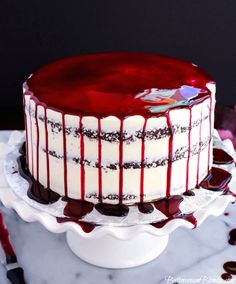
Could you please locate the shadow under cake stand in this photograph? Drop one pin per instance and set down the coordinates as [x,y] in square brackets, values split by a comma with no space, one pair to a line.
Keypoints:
[111,244]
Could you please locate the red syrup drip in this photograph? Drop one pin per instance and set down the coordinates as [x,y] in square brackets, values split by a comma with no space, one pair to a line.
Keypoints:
[189,217]
[26,132]
[77,208]
[189,193]
[217,180]
[169,206]
[199,150]
[46,148]
[86,227]
[226,276]
[82,172]
[108,83]
[121,162]
[37,140]
[170,150]
[118,210]
[232,237]
[145,208]
[142,162]
[36,191]
[64,154]
[99,161]
[5,242]
[31,139]
[230,267]
[220,157]
[189,147]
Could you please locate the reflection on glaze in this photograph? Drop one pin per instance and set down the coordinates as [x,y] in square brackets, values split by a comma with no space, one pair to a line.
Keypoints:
[118,83]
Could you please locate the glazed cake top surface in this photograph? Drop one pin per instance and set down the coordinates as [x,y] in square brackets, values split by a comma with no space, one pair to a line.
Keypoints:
[118,83]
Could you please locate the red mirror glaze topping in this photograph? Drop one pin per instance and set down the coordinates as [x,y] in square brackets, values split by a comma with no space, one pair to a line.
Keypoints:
[118,83]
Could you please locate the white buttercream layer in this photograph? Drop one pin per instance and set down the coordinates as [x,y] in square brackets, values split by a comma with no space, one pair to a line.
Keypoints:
[154,177]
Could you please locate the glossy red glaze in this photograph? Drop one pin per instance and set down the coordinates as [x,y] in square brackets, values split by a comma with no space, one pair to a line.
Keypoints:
[220,157]
[4,239]
[107,83]
[232,237]
[86,227]
[190,218]
[230,267]
[77,208]
[217,179]
[169,206]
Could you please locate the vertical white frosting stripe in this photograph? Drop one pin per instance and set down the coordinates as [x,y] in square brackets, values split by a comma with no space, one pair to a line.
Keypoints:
[131,179]
[110,152]
[73,151]
[90,146]
[55,145]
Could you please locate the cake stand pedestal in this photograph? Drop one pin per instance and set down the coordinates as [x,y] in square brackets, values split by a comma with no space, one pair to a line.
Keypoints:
[109,252]
[106,246]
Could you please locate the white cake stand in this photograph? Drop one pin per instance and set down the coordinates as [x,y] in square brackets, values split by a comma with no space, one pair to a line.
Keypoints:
[109,246]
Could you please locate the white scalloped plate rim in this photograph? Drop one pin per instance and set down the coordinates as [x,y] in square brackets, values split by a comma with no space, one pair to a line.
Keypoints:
[31,214]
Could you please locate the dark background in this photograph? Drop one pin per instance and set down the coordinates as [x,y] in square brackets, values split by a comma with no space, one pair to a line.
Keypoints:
[33,33]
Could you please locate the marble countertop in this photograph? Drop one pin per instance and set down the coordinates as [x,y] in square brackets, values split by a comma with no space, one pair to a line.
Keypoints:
[192,256]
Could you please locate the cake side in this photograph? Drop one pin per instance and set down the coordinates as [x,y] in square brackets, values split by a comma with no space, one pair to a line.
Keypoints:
[121,127]
[86,157]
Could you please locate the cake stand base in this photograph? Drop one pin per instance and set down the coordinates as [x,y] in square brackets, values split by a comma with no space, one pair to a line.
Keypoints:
[110,252]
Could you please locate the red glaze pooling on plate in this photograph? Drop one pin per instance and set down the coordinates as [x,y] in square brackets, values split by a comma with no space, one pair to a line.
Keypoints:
[118,210]
[77,208]
[232,237]
[230,267]
[220,157]
[145,208]
[86,227]
[189,193]
[217,179]
[226,276]
[169,206]
[190,218]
